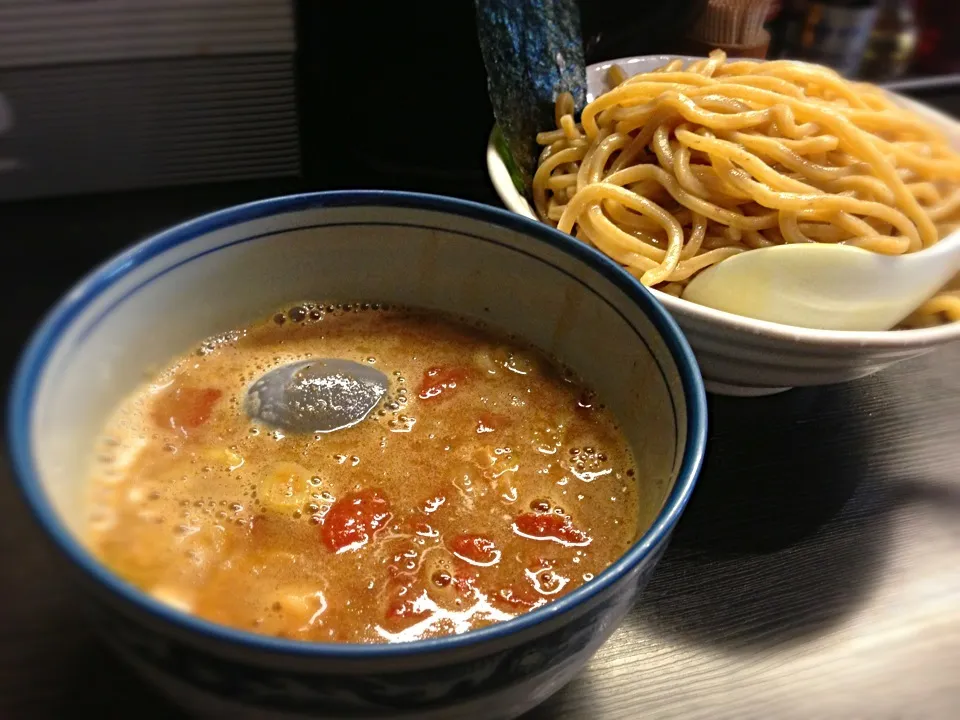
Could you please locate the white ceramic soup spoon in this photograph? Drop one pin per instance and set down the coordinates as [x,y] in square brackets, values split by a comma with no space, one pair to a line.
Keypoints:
[826,287]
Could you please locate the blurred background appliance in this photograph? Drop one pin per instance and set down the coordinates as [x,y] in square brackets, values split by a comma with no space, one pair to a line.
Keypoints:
[99,95]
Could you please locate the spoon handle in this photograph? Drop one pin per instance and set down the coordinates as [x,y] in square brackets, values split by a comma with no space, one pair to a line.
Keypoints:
[948,248]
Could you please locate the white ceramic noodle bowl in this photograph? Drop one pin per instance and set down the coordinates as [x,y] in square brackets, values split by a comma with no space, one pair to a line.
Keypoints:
[741,355]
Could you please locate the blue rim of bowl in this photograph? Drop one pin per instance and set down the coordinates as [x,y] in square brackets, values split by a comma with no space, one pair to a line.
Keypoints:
[34,358]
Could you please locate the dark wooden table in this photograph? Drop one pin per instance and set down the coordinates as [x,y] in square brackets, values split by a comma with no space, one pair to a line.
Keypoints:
[814,575]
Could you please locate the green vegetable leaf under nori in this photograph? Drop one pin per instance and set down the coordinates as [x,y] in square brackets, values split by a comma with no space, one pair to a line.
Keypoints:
[533,51]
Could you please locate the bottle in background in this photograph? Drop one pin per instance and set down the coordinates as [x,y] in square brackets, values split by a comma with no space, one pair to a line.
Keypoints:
[938,51]
[831,32]
[619,28]
[738,27]
[774,26]
[892,42]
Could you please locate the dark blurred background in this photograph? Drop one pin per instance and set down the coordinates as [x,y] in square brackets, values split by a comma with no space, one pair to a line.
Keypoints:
[105,95]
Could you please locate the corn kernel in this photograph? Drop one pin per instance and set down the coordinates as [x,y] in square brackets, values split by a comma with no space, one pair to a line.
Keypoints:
[286,487]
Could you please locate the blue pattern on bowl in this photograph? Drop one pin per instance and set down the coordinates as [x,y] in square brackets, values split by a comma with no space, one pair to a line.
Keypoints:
[370,695]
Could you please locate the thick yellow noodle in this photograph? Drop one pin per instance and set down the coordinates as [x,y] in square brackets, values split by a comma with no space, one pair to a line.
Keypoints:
[677,169]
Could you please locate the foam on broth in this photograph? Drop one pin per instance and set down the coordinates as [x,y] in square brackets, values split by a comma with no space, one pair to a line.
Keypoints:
[487,483]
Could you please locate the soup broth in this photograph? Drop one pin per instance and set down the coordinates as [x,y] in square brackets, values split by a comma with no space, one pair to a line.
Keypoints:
[488,482]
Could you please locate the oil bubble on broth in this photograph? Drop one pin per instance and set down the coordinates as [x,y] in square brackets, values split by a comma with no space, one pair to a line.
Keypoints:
[486,482]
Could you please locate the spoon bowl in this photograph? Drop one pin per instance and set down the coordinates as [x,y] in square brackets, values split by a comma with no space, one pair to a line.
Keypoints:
[317,395]
[826,287]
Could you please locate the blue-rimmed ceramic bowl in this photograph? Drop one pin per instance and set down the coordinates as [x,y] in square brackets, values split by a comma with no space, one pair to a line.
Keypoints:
[153,302]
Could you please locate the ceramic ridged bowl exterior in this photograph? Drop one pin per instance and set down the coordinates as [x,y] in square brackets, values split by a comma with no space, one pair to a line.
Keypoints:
[162,297]
[742,356]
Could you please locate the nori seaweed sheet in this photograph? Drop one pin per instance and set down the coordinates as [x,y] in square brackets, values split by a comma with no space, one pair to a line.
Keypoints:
[533,51]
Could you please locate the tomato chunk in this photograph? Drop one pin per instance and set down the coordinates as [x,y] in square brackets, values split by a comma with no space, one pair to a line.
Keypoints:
[490,422]
[475,549]
[407,609]
[518,596]
[439,381]
[465,583]
[550,526]
[185,408]
[354,519]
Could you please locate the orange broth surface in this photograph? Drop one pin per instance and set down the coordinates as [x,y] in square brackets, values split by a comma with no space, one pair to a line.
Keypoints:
[488,482]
